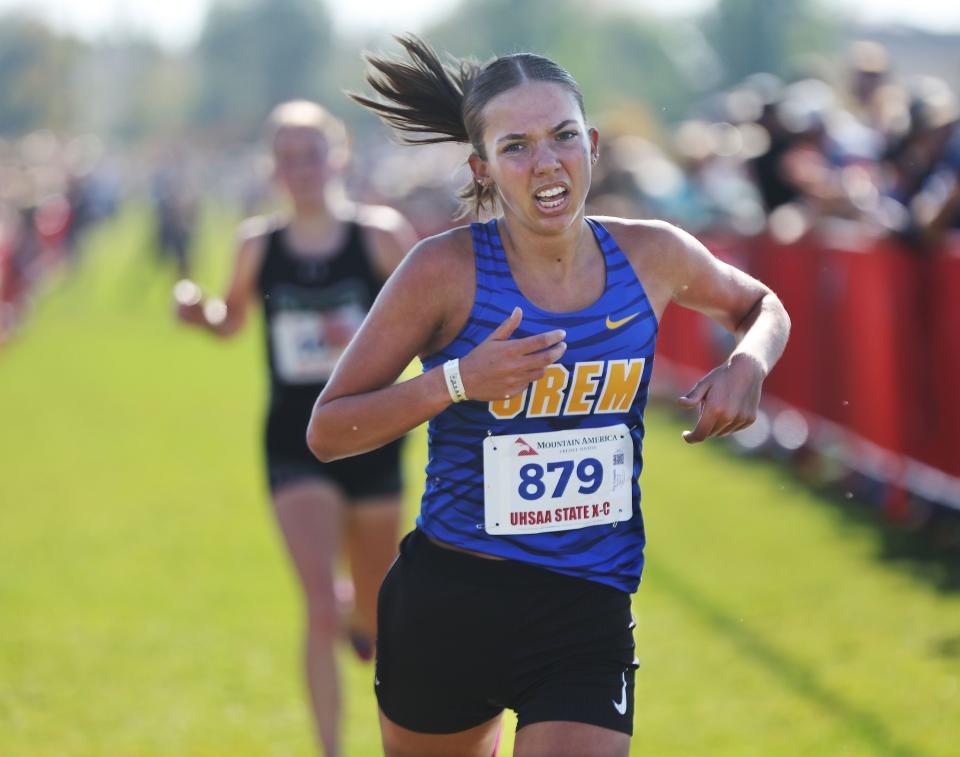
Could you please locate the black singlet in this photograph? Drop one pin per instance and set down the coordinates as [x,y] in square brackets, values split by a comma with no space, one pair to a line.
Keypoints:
[312,306]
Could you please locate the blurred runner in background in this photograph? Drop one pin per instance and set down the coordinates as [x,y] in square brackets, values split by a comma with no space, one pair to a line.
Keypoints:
[317,271]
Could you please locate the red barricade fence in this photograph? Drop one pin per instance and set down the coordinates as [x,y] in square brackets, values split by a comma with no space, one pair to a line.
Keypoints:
[944,379]
[875,345]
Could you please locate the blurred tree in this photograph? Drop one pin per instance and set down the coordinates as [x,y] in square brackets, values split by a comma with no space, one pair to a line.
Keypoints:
[499,27]
[35,81]
[750,36]
[627,59]
[253,54]
[132,89]
[641,60]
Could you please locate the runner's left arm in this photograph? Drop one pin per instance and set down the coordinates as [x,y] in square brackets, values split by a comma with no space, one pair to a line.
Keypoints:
[728,396]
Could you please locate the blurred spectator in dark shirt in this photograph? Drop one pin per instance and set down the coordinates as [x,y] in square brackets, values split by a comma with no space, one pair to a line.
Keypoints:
[923,164]
[175,204]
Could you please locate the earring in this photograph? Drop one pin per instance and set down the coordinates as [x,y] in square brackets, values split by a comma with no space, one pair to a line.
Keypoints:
[595,157]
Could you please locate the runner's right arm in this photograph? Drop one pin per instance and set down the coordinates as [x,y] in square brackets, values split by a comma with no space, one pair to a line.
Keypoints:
[420,309]
[226,317]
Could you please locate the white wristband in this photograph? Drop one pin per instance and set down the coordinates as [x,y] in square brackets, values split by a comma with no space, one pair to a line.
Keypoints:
[451,372]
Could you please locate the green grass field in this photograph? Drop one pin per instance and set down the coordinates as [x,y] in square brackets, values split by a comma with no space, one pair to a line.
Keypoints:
[146,606]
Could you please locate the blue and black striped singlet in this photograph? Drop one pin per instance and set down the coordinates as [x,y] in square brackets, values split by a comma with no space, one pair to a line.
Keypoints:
[609,360]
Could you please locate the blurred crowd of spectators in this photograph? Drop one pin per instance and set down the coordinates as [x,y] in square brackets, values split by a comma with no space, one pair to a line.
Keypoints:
[765,155]
[51,190]
[782,156]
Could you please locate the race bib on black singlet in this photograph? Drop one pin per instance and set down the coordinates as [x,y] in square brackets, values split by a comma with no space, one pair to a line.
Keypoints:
[557,481]
[309,330]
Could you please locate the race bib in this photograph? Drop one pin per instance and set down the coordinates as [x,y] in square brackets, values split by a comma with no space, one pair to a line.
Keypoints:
[556,481]
[302,353]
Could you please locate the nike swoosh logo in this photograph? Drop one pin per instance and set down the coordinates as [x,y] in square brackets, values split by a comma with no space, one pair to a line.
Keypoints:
[618,324]
[621,706]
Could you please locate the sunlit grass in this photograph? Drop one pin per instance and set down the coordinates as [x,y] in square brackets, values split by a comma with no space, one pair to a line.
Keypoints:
[146,606]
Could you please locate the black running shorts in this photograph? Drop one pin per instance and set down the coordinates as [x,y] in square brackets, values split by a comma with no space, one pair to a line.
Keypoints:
[289,460]
[462,637]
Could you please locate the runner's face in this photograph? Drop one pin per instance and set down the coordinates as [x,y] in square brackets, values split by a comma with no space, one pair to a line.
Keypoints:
[538,154]
[302,161]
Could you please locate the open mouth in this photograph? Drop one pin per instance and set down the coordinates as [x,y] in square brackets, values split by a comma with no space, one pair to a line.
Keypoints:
[551,197]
